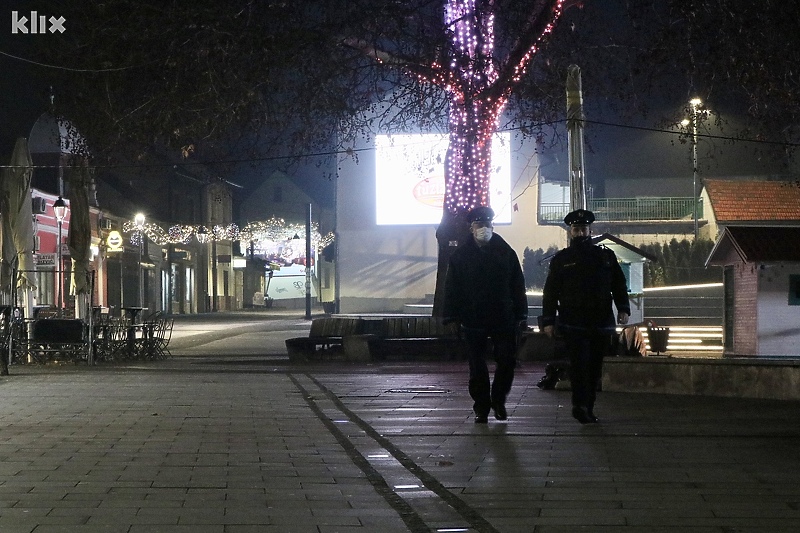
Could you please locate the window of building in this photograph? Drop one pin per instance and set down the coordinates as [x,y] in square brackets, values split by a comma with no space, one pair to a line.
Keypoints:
[794,289]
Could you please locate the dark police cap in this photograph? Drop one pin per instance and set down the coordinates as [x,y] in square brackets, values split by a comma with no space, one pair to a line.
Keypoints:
[482,213]
[581,217]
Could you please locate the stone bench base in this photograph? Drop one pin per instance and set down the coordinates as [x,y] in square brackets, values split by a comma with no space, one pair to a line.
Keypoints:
[305,348]
[539,347]
[736,377]
[364,348]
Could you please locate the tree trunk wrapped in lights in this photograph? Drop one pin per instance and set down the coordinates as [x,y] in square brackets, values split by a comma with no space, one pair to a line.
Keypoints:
[478,85]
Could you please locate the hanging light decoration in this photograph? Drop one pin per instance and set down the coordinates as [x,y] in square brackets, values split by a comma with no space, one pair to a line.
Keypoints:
[274,230]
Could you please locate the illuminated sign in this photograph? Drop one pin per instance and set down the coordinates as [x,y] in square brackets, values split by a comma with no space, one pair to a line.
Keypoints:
[409,174]
[114,241]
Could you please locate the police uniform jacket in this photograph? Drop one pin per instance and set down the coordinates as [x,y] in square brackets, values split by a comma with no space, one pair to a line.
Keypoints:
[583,281]
[484,286]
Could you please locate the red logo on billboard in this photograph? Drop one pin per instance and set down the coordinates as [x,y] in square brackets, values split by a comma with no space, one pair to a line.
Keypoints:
[430,191]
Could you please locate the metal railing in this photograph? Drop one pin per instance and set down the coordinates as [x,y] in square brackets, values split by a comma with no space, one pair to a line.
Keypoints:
[628,209]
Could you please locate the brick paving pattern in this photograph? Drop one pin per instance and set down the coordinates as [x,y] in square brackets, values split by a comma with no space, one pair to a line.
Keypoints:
[248,443]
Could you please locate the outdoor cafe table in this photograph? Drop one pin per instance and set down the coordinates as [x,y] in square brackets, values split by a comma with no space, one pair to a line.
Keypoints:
[133,313]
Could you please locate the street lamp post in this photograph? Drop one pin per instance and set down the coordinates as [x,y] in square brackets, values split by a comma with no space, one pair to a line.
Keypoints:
[308,262]
[60,211]
[213,270]
[202,237]
[139,220]
[695,103]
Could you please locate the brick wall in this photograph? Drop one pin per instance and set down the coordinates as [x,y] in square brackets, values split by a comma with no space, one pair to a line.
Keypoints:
[745,286]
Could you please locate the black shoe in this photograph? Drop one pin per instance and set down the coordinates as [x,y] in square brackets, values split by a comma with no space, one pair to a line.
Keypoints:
[581,415]
[592,419]
[500,412]
[481,419]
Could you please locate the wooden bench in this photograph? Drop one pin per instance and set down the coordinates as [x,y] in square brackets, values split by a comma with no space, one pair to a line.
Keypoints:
[407,337]
[325,337]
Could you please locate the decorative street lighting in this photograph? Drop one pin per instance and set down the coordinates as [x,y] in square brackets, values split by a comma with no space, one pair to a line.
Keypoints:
[202,235]
[139,221]
[60,211]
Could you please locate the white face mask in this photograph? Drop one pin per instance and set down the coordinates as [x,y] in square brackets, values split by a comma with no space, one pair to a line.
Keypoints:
[483,235]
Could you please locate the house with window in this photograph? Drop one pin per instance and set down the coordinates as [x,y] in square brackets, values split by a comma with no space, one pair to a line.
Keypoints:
[759,249]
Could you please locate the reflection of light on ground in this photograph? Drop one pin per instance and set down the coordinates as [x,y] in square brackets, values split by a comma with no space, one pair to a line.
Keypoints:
[416,391]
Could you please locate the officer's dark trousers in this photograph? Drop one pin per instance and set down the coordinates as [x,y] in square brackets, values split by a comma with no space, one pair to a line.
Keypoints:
[505,346]
[586,353]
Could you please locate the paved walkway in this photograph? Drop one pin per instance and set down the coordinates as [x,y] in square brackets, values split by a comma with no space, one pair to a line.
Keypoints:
[228,437]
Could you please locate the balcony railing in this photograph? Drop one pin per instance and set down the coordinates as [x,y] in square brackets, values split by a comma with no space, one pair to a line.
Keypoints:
[628,210]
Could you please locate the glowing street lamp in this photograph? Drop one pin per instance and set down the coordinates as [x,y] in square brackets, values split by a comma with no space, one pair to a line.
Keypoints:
[139,221]
[201,234]
[60,211]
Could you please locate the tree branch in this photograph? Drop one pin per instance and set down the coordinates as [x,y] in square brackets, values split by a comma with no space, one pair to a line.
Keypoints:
[431,73]
[538,25]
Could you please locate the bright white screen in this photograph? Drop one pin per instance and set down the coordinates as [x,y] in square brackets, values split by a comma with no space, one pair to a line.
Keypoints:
[409,174]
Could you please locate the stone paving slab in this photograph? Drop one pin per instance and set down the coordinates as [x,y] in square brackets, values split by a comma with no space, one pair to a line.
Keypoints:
[245,444]
[228,437]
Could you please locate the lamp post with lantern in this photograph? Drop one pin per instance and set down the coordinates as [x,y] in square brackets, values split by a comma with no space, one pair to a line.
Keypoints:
[202,237]
[60,212]
[139,221]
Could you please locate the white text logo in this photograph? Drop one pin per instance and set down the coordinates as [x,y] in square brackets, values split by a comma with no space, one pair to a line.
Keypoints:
[38,23]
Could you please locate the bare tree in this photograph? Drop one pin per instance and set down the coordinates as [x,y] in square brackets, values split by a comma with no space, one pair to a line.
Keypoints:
[222,74]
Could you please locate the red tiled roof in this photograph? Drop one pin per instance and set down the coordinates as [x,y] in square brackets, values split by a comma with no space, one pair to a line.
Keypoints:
[751,201]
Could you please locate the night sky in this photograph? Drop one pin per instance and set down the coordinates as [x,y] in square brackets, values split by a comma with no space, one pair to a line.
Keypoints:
[612,152]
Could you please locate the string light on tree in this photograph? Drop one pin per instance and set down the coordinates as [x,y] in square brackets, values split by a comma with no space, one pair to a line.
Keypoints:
[478,85]
[478,93]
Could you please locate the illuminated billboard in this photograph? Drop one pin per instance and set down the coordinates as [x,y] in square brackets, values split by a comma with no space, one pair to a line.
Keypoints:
[409,174]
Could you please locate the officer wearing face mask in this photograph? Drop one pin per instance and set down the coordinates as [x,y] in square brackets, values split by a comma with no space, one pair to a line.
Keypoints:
[485,293]
[583,281]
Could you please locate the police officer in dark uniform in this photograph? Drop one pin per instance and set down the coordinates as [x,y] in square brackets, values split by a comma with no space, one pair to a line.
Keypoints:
[485,293]
[583,281]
